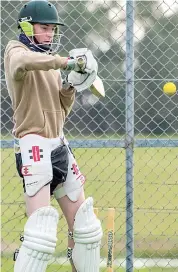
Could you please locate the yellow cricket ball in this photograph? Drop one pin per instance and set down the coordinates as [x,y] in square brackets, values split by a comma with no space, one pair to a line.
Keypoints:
[169,88]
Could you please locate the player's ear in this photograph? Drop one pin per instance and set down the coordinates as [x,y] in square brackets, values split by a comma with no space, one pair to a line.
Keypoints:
[27,28]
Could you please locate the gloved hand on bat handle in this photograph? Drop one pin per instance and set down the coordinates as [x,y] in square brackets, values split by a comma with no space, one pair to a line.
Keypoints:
[82,60]
[84,68]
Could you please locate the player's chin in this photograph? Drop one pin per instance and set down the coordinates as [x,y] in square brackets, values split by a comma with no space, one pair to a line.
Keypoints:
[47,42]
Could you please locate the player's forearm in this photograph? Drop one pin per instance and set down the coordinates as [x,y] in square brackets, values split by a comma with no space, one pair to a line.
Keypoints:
[24,61]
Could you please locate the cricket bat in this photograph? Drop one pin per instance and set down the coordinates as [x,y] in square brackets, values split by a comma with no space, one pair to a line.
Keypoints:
[110,239]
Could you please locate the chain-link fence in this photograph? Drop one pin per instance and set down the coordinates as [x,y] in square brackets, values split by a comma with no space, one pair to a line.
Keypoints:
[101,132]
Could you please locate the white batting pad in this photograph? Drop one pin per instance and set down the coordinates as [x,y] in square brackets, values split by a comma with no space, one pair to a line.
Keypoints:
[39,241]
[87,236]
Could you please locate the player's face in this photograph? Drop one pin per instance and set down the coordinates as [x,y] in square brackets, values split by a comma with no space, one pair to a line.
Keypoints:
[44,33]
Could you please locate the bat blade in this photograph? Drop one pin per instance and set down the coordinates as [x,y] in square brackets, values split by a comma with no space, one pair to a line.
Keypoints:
[97,88]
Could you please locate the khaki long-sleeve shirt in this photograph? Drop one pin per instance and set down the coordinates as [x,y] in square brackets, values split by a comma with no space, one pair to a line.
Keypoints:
[39,102]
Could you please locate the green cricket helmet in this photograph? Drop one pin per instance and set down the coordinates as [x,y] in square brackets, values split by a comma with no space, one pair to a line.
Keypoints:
[42,12]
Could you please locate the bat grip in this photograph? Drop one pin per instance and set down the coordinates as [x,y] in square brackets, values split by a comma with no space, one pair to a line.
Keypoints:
[81,62]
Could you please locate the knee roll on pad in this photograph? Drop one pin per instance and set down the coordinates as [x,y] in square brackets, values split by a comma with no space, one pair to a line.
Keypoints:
[87,237]
[40,237]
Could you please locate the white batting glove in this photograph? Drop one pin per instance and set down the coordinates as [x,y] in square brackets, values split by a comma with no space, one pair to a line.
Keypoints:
[89,63]
[80,81]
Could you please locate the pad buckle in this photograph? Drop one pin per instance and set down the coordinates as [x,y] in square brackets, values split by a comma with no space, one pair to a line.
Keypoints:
[69,253]
[70,235]
[15,254]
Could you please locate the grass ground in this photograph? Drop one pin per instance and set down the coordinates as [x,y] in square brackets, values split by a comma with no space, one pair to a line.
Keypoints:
[155,200]
[7,266]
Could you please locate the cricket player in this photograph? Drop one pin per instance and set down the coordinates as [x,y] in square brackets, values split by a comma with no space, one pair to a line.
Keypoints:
[41,100]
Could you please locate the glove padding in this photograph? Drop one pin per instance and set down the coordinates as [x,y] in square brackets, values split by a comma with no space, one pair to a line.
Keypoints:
[90,62]
[80,81]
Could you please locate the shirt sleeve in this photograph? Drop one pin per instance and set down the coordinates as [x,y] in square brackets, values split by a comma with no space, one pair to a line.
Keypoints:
[67,97]
[22,61]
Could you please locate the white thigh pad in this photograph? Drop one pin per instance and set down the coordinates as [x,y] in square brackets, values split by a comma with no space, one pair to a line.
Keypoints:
[87,237]
[36,161]
[75,180]
[40,237]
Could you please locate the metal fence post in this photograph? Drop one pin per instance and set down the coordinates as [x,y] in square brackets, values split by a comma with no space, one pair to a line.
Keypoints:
[129,144]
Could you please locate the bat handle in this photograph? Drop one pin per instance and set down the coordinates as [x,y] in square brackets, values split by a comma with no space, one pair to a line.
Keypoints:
[81,61]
